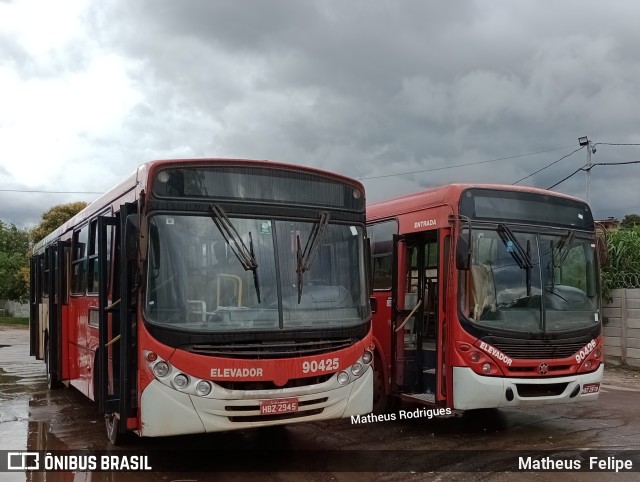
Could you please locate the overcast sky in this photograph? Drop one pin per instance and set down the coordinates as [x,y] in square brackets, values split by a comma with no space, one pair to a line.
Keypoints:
[367,88]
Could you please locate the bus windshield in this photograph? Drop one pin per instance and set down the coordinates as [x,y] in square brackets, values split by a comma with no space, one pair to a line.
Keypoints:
[201,278]
[530,282]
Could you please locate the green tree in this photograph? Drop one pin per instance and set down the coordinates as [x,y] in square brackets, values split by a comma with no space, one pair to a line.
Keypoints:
[14,262]
[630,220]
[55,217]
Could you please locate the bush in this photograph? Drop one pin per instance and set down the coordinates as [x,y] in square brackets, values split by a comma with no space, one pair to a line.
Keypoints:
[623,267]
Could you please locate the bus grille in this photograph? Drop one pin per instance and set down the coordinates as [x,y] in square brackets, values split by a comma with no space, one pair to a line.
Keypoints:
[248,413]
[269,385]
[540,390]
[531,349]
[269,349]
[277,416]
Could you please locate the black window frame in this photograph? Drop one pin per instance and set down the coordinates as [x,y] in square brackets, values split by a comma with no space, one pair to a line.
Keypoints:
[79,259]
[381,252]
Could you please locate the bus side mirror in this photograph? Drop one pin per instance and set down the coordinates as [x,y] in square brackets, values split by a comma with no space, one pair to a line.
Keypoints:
[463,253]
[131,230]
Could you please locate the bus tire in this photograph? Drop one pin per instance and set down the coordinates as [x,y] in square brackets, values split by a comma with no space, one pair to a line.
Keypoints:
[111,421]
[382,402]
[53,383]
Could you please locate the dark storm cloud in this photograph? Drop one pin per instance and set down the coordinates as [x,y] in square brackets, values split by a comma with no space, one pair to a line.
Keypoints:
[374,88]
[25,209]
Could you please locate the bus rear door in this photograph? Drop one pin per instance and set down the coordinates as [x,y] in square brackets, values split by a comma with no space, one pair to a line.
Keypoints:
[117,350]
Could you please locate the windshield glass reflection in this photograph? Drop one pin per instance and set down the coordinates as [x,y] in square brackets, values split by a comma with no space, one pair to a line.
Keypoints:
[528,282]
[196,280]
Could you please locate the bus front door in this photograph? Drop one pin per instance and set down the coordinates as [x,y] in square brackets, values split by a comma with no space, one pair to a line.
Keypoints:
[415,316]
[117,351]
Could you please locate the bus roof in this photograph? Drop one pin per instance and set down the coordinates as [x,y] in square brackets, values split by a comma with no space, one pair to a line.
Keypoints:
[129,189]
[442,195]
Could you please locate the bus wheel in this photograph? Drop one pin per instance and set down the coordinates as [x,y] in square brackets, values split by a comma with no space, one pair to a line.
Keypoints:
[111,421]
[52,381]
[382,403]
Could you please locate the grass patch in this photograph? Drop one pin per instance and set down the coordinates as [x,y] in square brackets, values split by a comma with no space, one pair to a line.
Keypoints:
[14,320]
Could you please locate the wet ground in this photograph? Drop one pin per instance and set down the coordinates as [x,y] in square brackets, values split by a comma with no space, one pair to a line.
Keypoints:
[484,445]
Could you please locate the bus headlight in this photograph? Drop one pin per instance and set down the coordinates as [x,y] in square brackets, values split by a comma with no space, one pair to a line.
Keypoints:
[357,369]
[475,356]
[486,368]
[367,357]
[181,381]
[161,369]
[343,378]
[203,388]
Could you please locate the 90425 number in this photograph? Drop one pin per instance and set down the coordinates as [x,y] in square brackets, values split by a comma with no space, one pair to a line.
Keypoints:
[325,365]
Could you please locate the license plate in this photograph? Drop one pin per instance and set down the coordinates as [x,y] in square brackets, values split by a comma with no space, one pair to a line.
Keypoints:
[280,405]
[590,388]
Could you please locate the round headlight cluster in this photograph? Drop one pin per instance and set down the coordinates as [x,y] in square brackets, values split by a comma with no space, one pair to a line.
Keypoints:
[203,388]
[367,357]
[181,381]
[343,378]
[171,377]
[161,369]
[357,369]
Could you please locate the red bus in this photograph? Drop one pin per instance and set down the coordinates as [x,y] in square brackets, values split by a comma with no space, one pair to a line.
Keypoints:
[485,296]
[210,295]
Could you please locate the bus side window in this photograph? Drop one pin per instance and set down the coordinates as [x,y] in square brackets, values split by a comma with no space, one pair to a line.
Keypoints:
[93,283]
[381,236]
[79,260]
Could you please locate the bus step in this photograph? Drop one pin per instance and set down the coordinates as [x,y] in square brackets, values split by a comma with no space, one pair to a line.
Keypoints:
[420,397]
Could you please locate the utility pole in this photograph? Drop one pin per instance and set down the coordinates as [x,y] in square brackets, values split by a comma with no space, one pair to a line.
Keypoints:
[588,171]
[584,141]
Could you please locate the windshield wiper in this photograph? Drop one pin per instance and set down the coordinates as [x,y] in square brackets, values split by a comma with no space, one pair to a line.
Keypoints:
[514,248]
[245,255]
[305,258]
[519,255]
[256,283]
[563,247]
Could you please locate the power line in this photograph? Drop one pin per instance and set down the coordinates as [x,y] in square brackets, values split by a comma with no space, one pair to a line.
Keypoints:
[548,165]
[585,168]
[463,165]
[49,192]
[612,164]
[570,175]
[614,144]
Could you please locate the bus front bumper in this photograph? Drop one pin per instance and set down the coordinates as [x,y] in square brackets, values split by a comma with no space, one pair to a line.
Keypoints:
[472,391]
[165,411]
